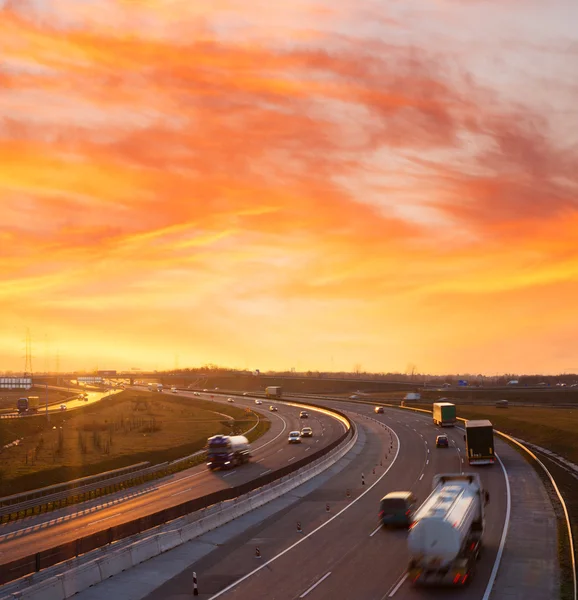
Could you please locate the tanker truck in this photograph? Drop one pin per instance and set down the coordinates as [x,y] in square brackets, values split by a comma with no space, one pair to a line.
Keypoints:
[227,451]
[445,537]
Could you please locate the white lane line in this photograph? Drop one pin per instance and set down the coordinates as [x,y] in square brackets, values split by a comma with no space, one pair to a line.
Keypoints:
[315,585]
[504,535]
[260,460]
[105,519]
[292,458]
[280,450]
[462,460]
[421,477]
[399,584]
[427,462]
[308,448]
[324,524]
[376,530]
[267,471]
[181,492]
[229,473]
[279,434]
[428,450]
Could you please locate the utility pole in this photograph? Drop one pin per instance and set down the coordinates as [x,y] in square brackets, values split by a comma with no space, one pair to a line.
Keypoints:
[28,359]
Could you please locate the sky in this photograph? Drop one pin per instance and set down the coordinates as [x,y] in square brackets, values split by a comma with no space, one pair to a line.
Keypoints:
[315,185]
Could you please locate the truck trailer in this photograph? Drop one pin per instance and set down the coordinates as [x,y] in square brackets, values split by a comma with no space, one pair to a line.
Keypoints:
[444,414]
[227,451]
[480,442]
[273,391]
[28,405]
[445,538]
[155,387]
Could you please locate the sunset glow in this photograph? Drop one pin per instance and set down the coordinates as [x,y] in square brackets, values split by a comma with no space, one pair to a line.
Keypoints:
[314,185]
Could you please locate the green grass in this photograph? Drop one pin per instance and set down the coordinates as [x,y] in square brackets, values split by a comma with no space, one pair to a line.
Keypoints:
[552,428]
[128,428]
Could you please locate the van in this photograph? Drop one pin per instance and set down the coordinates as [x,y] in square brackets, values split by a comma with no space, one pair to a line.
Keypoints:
[397,509]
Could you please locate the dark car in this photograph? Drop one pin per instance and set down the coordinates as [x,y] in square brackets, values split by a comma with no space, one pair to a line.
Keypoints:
[442,441]
[397,509]
[303,414]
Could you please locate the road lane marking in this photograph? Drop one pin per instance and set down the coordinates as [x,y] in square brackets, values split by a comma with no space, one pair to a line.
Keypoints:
[504,535]
[324,524]
[181,492]
[376,530]
[260,460]
[230,473]
[427,462]
[315,585]
[421,477]
[267,471]
[105,519]
[399,584]
[292,458]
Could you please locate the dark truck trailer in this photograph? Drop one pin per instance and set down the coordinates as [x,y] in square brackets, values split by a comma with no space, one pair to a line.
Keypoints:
[227,451]
[480,442]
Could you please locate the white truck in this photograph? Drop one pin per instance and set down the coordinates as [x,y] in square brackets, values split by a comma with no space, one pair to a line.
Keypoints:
[155,387]
[227,451]
[273,391]
[445,537]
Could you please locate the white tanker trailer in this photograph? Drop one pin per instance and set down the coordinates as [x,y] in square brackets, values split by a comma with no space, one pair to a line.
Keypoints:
[445,538]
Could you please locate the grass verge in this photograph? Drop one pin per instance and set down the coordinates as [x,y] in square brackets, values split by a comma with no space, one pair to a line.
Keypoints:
[128,428]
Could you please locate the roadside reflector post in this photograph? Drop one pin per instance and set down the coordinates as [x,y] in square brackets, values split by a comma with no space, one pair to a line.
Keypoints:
[299,530]
[327,507]
[257,552]
[195,586]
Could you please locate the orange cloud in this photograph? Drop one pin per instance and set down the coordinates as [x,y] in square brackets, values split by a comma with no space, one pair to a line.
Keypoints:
[236,199]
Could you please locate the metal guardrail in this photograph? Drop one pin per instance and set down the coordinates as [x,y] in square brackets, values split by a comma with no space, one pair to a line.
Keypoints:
[68,485]
[58,495]
[62,498]
[51,556]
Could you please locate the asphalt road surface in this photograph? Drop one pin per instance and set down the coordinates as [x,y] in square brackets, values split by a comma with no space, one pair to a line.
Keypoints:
[269,452]
[343,552]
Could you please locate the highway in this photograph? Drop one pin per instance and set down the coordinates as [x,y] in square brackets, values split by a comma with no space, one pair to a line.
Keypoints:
[344,552]
[269,452]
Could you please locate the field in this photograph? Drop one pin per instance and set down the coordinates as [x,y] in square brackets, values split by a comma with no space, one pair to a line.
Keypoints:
[552,428]
[128,428]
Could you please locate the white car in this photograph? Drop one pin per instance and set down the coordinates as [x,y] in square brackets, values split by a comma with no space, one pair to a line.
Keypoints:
[307,432]
[294,437]
[258,402]
[174,389]
[230,400]
[245,393]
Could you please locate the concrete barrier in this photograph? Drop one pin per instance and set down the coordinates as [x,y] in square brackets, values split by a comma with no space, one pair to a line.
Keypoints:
[144,549]
[170,540]
[50,589]
[80,578]
[114,563]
